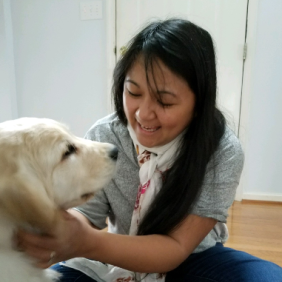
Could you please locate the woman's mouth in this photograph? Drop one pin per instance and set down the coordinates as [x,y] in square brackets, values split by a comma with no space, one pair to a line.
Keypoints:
[149,129]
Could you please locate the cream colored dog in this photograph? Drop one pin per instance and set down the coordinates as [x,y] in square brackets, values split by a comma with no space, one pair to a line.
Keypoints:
[43,168]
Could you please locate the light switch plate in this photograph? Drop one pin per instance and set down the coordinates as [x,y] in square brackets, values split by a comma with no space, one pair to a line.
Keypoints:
[91,10]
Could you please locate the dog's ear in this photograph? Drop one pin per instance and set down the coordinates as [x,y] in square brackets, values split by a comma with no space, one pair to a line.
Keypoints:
[27,202]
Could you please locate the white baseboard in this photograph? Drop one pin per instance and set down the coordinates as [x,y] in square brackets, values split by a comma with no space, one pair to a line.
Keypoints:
[262,197]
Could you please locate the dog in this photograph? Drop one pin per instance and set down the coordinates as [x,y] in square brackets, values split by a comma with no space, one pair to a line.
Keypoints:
[43,168]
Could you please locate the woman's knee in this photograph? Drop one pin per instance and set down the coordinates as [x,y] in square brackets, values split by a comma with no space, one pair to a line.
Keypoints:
[220,264]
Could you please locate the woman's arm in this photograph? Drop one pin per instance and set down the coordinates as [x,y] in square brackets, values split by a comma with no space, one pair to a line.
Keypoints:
[75,237]
[151,253]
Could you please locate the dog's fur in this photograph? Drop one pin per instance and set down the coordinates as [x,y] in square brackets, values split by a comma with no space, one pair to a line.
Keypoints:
[43,168]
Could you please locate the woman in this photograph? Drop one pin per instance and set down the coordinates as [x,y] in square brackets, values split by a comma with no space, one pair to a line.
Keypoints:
[178,169]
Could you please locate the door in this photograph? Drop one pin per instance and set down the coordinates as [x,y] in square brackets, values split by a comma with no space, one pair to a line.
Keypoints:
[225,21]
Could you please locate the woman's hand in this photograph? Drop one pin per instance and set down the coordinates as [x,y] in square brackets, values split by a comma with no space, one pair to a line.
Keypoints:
[68,239]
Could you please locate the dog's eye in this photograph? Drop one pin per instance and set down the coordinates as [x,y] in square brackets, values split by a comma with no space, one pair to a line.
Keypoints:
[71,150]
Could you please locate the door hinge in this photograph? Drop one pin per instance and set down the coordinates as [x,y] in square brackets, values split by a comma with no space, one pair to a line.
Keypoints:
[245,52]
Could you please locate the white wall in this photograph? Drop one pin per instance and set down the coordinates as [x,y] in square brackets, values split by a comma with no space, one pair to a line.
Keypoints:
[60,62]
[8,104]
[262,105]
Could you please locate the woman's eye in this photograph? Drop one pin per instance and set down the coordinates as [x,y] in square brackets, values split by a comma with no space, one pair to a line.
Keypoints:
[164,105]
[70,150]
[132,94]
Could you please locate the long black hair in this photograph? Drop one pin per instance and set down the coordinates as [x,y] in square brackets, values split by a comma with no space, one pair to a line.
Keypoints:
[188,51]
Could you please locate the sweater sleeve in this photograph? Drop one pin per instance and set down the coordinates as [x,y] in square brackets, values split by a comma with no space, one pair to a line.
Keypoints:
[221,179]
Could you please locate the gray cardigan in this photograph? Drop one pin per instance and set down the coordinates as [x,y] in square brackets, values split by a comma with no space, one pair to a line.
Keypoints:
[116,200]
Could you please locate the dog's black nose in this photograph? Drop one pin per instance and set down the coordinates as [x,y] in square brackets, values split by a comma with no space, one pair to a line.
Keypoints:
[114,153]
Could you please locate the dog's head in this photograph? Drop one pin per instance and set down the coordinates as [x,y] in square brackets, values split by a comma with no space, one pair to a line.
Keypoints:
[43,168]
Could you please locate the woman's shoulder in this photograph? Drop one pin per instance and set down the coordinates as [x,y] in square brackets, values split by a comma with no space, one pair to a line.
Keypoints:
[105,128]
[228,160]
[229,145]
[111,130]
[111,118]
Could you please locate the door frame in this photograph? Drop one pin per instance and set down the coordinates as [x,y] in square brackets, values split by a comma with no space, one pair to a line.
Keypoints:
[247,86]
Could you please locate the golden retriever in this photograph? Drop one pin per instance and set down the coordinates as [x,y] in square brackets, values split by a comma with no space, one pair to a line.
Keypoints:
[43,168]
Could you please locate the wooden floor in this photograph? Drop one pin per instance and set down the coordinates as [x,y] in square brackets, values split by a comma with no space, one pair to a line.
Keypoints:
[256,227]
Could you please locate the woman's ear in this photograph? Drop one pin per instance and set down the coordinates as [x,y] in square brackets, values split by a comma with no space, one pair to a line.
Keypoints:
[27,202]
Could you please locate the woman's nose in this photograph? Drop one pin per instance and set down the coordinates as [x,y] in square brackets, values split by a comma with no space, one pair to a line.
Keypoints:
[146,109]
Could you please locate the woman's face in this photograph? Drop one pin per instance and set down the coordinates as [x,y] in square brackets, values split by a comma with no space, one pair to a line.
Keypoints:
[156,121]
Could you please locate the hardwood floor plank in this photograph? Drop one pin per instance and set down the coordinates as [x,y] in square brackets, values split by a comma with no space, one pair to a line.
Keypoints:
[256,228]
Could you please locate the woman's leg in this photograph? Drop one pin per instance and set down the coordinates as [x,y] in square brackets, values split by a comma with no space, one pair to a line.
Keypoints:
[221,264]
[71,275]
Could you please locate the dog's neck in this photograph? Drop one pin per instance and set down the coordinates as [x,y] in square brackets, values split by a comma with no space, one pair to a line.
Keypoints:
[8,230]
